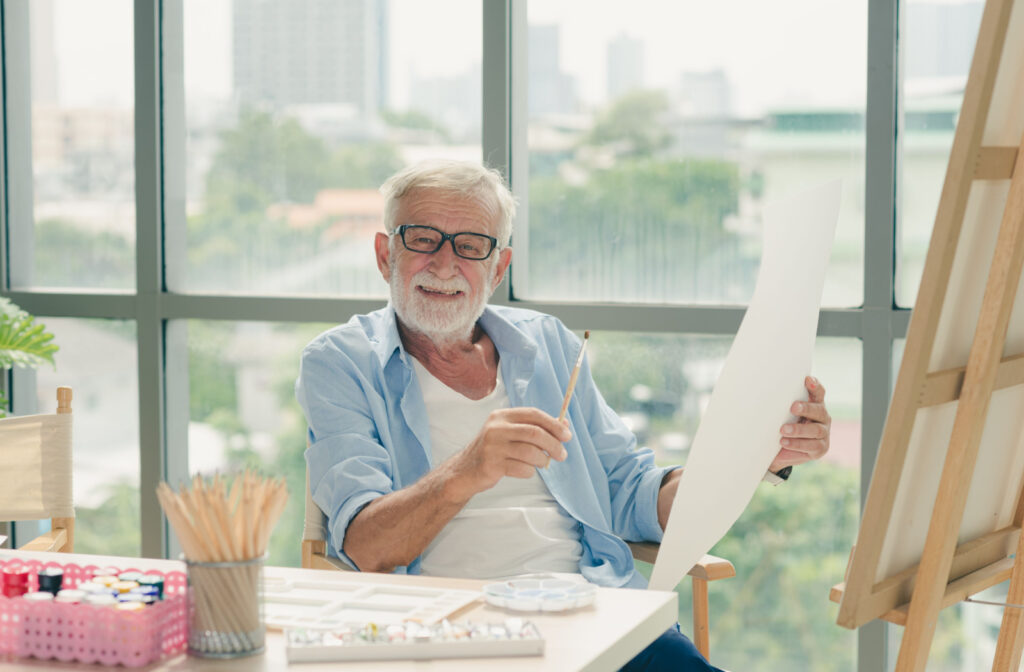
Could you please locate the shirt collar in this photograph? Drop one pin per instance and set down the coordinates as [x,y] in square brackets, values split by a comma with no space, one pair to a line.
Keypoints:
[508,339]
[387,340]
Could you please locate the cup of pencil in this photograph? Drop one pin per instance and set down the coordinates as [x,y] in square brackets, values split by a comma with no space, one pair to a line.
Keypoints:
[224,532]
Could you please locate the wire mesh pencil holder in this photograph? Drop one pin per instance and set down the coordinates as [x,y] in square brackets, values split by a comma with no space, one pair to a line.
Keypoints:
[225,612]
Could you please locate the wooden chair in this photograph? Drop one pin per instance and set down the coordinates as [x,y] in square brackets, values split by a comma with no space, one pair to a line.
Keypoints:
[710,568]
[35,469]
[314,537]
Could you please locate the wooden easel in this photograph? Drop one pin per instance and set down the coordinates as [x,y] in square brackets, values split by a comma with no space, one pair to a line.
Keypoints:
[949,571]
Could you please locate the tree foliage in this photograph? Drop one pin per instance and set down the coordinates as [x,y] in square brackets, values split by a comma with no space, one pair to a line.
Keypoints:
[364,166]
[112,528]
[264,160]
[789,548]
[213,390]
[645,227]
[634,125]
[65,253]
[235,241]
[415,120]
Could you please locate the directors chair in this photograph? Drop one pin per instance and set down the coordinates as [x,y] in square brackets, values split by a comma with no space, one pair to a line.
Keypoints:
[35,469]
[710,568]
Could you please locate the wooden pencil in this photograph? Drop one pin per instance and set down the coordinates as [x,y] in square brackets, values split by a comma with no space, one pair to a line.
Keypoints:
[218,524]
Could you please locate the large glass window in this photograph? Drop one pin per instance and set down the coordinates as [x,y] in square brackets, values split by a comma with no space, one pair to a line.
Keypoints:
[79,224]
[791,544]
[295,113]
[97,360]
[654,144]
[243,413]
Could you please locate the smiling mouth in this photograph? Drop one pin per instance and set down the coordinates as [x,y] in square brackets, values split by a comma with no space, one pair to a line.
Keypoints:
[440,292]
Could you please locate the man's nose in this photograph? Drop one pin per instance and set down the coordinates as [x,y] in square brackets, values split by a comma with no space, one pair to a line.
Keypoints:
[444,262]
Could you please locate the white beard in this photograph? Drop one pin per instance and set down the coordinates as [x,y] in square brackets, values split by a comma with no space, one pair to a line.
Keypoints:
[441,321]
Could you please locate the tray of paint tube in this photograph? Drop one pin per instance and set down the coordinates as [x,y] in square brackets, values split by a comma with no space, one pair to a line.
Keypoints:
[90,614]
[413,641]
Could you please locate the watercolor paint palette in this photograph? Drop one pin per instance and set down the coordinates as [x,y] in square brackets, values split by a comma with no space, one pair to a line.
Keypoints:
[529,594]
[331,604]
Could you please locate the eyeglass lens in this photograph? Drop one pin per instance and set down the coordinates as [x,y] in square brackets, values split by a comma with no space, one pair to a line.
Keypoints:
[428,240]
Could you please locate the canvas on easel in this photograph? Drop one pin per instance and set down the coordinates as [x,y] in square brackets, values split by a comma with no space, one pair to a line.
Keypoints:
[943,516]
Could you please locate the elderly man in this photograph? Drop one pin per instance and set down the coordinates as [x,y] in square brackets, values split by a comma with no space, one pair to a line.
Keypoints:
[433,443]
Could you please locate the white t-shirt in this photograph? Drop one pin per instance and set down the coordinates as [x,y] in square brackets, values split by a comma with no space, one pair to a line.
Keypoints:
[516,527]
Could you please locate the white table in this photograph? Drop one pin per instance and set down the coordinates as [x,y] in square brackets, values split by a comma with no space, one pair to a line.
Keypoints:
[603,636]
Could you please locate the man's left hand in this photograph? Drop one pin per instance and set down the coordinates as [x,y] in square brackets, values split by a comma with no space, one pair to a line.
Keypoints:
[806,439]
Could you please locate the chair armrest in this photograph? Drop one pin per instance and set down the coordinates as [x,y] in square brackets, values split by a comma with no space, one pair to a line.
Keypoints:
[314,556]
[51,541]
[644,551]
[712,568]
[311,549]
[709,567]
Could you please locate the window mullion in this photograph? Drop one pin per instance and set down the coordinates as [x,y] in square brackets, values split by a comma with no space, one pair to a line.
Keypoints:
[19,215]
[174,249]
[881,156]
[149,274]
[496,110]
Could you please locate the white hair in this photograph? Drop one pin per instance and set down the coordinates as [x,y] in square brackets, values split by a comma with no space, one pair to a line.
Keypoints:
[463,178]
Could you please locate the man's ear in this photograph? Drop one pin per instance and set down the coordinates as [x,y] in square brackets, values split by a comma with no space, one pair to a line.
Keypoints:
[504,259]
[382,246]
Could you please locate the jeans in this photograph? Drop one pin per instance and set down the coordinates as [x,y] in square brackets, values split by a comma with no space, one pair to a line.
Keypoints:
[671,651]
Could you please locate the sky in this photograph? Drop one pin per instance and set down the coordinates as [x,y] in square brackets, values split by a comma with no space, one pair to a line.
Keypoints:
[798,51]
[775,54]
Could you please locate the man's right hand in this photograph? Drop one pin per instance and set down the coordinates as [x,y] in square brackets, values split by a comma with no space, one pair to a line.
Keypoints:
[512,442]
[392,530]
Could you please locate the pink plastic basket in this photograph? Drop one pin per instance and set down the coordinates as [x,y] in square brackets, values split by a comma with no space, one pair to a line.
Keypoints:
[88,633]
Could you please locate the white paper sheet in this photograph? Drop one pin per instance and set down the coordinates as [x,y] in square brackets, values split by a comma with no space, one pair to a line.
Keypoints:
[764,373]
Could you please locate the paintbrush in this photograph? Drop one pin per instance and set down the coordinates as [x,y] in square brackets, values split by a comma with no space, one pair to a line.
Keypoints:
[573,377]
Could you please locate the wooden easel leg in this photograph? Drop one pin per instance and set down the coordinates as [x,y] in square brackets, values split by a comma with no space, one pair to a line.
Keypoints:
[1011,632]
[1010,642]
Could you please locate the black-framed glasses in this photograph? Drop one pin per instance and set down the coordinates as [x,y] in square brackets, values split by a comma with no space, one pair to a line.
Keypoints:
[427,240]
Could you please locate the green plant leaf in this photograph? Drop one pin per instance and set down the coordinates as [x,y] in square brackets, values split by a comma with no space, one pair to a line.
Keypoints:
[23,341]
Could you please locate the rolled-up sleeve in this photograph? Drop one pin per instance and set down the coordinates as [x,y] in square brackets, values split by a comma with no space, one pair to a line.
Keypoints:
[348,465]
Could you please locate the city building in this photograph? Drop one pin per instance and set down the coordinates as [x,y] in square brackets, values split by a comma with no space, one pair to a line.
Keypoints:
[625,65]
[311,52]
[552,91]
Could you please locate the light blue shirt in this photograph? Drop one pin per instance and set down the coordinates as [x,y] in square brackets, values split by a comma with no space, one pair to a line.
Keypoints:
[369,432]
